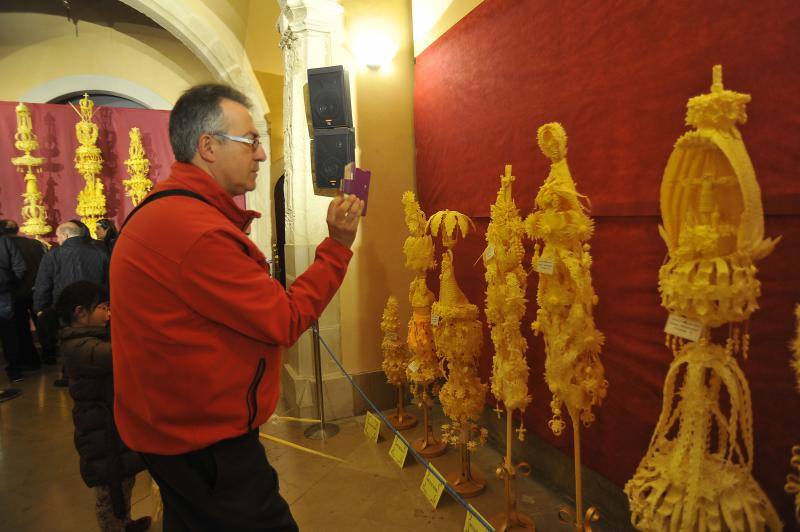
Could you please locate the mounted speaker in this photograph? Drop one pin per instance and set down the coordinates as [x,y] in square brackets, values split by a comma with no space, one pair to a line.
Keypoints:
[328,98]
[331,151]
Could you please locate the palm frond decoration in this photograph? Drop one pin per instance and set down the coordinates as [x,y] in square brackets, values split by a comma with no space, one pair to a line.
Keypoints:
[448,221]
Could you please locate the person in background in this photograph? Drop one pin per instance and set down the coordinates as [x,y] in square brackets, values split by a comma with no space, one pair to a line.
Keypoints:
[106,234]
[105,463]
[12,270]
[32,252]
[75,259]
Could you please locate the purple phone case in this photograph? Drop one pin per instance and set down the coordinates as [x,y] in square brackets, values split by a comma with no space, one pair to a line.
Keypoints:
[359,186]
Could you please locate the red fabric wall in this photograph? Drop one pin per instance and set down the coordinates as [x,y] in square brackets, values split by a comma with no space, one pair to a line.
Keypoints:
[59,182]
[617,75]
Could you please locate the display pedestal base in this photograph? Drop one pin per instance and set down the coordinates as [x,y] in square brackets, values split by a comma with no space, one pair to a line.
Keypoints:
[466,486]
[511,519]
[429,447]
[516,521]
[582,522]
[464,482]
[402,420]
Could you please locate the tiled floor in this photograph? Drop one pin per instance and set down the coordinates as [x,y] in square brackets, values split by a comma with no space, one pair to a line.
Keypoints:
[41,489]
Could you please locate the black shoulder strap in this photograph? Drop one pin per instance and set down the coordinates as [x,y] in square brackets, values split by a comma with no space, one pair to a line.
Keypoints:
[163,194]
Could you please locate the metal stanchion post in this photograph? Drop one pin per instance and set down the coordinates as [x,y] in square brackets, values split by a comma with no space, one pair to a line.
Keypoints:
[321,430]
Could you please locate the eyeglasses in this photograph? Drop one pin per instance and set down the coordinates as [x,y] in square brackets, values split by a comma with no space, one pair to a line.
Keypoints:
[254,142]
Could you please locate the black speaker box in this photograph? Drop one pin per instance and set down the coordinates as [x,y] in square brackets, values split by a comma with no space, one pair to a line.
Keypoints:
[329,98]
[332,150]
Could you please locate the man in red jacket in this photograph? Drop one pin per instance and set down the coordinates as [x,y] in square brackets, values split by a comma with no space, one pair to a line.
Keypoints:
[198,323]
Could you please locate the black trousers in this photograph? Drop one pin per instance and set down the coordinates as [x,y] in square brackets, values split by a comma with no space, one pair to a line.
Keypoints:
[22,316]
[229,485]
[10,343]
[47,331]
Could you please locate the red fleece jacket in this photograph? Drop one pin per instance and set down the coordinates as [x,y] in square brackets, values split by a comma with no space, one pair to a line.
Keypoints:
[198,324]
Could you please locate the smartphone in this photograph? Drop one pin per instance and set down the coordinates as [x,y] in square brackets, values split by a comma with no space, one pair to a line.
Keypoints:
[358,184]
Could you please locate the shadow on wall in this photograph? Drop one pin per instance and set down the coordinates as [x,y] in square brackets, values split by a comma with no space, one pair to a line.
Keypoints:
[48,148]
[155,166]
[107,141]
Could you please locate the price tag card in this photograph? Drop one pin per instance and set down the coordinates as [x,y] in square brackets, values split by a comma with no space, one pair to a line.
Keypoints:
[473,524]
[489,253]
[399,451]
[683,327]
[372,427]
[544,266]
[432,487]
[413,365]
[435,319]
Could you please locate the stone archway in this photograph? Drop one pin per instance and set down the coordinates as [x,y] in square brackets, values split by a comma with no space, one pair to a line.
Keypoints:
[211,41]
[57,87]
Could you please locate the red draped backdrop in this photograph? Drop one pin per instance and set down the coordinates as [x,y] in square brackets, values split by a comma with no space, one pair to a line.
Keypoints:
[59,182]
[617,75]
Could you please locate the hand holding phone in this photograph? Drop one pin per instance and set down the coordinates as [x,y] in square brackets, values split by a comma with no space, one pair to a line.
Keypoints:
[357,183]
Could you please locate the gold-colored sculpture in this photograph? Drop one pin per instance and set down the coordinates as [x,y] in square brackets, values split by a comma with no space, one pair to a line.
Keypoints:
[458,334]
[138,166]
[34,214]
[566,299]
[395,362]
[792,480]
[697,473]
[423,367]
[506,283]
[89,162]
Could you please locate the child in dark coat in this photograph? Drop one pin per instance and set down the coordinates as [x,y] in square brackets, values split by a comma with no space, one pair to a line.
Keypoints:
[106,464]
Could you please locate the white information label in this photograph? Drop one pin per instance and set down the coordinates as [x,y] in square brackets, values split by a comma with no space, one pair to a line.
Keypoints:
[435,319]
[544,266]
[683,327]
[413,365]
[489,253]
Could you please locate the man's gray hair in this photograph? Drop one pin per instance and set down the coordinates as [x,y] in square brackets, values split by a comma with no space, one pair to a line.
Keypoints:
[69,230]
[196,112]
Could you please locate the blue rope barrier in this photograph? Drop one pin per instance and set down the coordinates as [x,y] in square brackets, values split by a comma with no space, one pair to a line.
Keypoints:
[416,455]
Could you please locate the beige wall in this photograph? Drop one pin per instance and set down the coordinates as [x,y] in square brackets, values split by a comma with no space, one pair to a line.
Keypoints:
[36,49]
[261,44]
[272,85]
[385,138]
[434,17]
[261,41]
[234,14]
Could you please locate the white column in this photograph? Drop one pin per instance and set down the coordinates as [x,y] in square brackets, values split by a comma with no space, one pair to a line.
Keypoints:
[311,35]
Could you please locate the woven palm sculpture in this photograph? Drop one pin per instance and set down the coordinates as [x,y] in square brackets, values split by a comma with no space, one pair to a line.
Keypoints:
[697,473]
[423,367]
[459,335]
[395,361]
[793,480]
[89,163]
[506,283]
[562,228]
